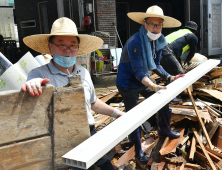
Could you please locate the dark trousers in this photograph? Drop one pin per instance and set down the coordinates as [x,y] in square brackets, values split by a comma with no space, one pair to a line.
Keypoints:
[104,163]
[170,62]
[130,96]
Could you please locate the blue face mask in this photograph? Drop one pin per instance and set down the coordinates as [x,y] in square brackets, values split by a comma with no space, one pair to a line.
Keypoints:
[65,61]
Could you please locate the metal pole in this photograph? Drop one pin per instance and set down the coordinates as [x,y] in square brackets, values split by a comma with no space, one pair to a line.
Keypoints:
[118,36]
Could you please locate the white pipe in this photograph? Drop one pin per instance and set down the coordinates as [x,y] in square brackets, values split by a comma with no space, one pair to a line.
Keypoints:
[91,150]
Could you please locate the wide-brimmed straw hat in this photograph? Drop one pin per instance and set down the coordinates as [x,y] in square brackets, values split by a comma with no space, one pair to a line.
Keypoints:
[66,27]
[154,11]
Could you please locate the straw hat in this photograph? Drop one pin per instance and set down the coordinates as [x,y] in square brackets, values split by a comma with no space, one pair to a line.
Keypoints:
[63,26]
[154,11]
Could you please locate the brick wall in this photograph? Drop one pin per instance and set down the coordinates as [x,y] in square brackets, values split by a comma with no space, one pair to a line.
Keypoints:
[105,16]
[28,10]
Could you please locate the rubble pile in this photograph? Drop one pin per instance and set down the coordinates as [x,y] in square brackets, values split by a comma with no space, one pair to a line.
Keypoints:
[197,117]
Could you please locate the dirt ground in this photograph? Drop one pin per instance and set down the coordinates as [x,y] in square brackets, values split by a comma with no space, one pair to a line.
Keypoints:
[104,88]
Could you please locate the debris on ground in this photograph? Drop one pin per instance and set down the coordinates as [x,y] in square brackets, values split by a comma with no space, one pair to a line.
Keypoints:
[197,117]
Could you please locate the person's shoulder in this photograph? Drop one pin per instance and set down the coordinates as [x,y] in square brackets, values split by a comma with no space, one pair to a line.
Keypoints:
[40,69]
[135,40]
[193,37]
[82,70]
[80,67]
[136,37]
[39,72]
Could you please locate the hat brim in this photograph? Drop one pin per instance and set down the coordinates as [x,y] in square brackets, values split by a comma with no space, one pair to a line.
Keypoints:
[139,17]
[40,42]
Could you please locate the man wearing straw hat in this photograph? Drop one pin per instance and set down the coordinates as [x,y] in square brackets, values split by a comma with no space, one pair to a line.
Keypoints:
[64,44]
[140,55]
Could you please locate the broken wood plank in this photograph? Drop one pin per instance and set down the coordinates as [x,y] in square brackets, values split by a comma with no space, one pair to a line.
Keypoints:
[89,151]
[203,149]
[210,106]
[215,86]
[102,121]
[200,156]
[125,157]
[155,154]
[211,128]
[182,166]
[190,112]
[193,148]
[214,93]
[202,94]
[219,164]
[214,152]
[213,157]
[217,138]
[203,164]
[200,120]
[215,114]
[117,104]
[165,143]
[184,140]
[161,165]
[172,144]
[188,143]
[109,96]
[100,118]
[181,106]
[217,89]
[180,160]
[154,76]
[24,116]
[198,83]
[147,151]
[193,166]
[150,161]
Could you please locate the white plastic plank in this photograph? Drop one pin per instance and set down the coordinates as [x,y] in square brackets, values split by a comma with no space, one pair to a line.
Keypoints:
[89,151]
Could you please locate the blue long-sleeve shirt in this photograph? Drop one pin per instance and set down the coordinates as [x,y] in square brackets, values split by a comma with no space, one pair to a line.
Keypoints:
[130,72]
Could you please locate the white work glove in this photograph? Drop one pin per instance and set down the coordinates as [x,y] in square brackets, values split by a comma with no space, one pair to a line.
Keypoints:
[117,113]
[173,78]
[156,87]
[34,86]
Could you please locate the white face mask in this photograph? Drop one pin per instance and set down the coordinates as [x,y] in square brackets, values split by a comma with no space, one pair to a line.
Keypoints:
[153,36]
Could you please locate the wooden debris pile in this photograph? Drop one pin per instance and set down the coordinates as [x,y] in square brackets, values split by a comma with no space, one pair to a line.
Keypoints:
[197,118]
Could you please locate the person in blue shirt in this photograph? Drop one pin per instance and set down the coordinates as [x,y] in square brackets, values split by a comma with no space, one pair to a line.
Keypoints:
[141,55]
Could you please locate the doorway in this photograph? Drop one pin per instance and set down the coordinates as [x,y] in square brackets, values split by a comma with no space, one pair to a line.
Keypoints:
[43,17]
[123,27]
[127,27]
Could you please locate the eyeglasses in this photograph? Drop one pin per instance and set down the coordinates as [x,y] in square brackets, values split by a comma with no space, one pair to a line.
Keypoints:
[63,47]
[158,26]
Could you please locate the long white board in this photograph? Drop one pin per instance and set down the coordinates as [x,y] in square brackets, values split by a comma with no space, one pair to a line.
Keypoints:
[92,149]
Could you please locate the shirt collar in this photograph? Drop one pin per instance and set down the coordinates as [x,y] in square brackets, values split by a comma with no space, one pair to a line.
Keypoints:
[55,70]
